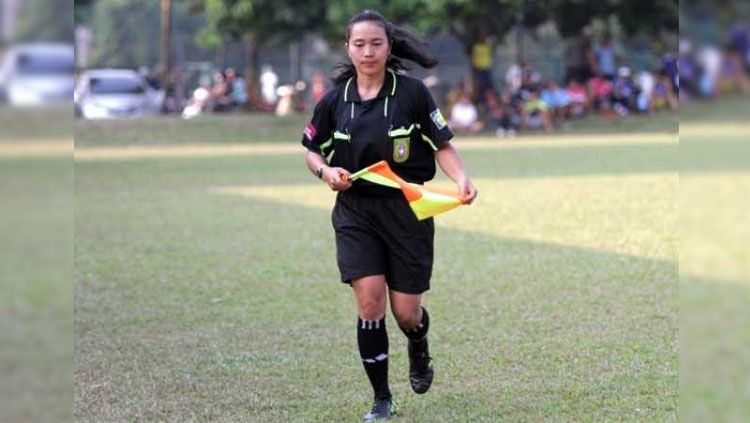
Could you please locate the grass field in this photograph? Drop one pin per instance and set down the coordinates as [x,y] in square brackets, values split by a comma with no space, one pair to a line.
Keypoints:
[715,264]
[36,270]
[206,286]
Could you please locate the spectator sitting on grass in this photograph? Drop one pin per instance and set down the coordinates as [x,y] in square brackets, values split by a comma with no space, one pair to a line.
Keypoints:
[688,71]
[464,115]
[535,113]
[452,96]
[514,78]
[219,93]
[557,100]
[623,92]
[732,79]
[238,95]
[644,83]
[532,78]
[268,83]
[200,101]
[601,93]
[663,96]
[500,116]
[579,100]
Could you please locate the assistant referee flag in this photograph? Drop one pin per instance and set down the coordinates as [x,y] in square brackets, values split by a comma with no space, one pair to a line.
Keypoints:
[424,202]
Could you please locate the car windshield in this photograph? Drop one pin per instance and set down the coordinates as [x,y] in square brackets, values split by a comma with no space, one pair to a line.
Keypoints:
[116,85]
[38,64]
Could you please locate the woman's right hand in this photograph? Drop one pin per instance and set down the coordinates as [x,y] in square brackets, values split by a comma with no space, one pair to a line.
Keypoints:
[336,178]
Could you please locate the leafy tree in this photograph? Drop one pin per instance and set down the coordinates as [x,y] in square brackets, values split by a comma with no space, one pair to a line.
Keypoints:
[647,16]
[46,20]
[259,23]
[465,19]
[127,32]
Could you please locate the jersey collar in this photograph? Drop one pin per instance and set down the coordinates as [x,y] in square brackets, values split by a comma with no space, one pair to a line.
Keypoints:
[388,88]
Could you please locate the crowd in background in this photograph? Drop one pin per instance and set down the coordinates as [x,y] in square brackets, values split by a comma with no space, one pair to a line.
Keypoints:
[597,82]
[227,91]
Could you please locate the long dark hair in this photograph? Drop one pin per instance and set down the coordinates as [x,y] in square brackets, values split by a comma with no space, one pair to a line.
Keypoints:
[404,45]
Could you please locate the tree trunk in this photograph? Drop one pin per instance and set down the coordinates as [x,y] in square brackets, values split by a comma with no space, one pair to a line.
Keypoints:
[166,36]
[251,69]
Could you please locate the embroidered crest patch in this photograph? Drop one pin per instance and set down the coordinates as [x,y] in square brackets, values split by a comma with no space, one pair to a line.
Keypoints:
[438,119]
[401,149]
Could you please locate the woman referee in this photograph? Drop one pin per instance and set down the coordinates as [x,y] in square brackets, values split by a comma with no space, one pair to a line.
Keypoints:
[374,113]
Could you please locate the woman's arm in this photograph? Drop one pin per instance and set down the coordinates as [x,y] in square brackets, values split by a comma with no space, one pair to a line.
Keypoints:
[336,178]
[450,162]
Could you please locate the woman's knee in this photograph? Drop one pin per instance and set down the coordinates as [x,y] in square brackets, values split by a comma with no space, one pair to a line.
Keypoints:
[372,308]
[407,318]
[371,296]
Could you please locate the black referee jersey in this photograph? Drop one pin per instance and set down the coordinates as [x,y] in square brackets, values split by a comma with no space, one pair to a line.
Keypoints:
[402,125]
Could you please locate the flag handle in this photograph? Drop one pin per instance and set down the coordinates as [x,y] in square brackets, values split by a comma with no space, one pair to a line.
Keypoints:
[356,175]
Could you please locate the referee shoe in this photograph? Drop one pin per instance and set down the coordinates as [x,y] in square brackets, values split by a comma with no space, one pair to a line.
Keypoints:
[420,366]
[382,409]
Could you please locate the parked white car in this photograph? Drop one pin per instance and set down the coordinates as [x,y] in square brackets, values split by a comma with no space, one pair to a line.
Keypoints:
[114,94]
[37,74]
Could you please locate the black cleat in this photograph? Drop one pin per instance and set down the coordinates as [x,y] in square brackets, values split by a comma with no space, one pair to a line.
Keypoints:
[420,366]
[382,409]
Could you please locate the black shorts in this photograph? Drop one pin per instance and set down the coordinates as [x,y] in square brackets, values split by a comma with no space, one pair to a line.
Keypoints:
[381,236]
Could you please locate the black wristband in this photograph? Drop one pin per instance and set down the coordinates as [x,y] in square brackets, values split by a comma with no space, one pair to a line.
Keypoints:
[319,171]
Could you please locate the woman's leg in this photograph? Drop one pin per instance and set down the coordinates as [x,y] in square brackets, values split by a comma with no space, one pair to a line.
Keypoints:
[372,338]
[414,321]
[406,308]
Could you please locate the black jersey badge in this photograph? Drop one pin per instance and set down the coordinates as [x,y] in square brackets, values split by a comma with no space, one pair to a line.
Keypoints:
[401,149]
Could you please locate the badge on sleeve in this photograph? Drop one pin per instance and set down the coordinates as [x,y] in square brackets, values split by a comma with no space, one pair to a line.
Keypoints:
[438,119]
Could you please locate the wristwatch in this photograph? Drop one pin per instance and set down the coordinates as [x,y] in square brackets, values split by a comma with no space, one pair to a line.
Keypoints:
[319,171]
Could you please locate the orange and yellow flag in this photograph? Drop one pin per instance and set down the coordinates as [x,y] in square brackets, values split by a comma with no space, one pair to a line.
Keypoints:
[424,202]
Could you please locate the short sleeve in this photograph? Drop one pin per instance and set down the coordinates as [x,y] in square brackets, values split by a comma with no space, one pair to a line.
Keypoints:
[317,136]
[434,128]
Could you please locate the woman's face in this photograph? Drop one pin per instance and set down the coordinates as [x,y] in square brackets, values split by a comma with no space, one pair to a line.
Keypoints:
[368,48]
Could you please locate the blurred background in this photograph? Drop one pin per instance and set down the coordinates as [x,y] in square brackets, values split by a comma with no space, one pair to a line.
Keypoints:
[714,189]
[579,57]
[36,211]
[237,71]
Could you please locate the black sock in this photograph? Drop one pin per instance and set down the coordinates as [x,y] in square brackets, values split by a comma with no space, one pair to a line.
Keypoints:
[373,349]
[419,332]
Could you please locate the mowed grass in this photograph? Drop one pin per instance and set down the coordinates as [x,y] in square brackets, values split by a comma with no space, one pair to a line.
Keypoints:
[244,128]
[715,264]
[207,290]
[36,294]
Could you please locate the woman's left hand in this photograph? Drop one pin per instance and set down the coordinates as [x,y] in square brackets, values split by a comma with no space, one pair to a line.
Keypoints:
[467,190]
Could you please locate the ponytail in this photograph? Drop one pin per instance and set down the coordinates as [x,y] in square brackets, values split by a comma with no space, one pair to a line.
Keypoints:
[404,45]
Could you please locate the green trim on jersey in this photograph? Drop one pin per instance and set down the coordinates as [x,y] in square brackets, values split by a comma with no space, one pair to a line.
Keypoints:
[341,136]
[326,144]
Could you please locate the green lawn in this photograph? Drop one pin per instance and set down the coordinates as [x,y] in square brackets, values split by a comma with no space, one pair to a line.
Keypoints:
[36,270]
[206,287]
[715,263]
[250,128]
